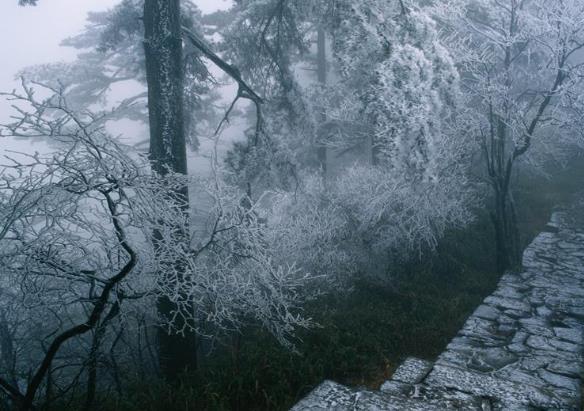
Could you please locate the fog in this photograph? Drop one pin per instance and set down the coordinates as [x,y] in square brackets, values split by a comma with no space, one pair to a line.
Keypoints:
[291,205]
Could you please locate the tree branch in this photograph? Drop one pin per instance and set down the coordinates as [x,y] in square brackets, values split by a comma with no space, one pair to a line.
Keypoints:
[244,90]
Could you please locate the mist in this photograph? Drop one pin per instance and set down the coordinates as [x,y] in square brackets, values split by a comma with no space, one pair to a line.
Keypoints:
[291,205]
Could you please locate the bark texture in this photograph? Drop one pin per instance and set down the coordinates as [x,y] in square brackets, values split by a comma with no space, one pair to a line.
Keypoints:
[165,78]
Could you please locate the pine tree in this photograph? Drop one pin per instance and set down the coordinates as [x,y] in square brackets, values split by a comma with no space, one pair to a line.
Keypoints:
[165,78]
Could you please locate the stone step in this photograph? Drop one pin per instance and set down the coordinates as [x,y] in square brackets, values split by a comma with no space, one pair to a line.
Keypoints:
[330,396]
[512,394]
[412,371]
[448,398]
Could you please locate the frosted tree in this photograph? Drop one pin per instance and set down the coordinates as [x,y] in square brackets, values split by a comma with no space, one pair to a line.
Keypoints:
[396,88]
[383,51]
[174,75]
[165,79]
[522,71]
[400,83]
[77,251]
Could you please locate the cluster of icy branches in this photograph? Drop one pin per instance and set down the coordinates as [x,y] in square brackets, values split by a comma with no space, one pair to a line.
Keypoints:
[88,231]
[367,219]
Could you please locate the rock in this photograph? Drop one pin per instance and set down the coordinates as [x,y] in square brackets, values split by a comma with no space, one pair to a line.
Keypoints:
[396,388]
[568,368]
[485,385]
[487,312]
[560,381]
[412,371]
[569,334]
[327,396]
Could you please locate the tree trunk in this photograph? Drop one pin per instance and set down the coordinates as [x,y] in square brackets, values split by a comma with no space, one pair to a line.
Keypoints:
[7,361]
[500,166]
[164,72]
[508,250]
[506,230]
[499,221]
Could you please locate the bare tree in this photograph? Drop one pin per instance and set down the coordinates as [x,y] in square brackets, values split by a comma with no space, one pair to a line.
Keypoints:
[521,70]
[77,247]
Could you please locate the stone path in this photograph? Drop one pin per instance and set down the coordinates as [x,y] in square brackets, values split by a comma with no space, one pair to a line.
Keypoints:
[522,349]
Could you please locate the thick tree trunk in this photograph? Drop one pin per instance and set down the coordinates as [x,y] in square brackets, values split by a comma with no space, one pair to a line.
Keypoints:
[164,71]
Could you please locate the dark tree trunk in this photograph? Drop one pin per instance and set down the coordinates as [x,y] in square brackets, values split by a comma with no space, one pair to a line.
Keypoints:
[506,235]
[508,251]
[501,243]
[7,349]
[164,71]
[92,361]
[92,370]
[500,167]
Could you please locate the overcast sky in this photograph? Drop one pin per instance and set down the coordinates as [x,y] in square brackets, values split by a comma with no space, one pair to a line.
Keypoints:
[31,35]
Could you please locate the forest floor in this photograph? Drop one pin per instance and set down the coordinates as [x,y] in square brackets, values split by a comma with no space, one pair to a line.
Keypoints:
[363,337]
